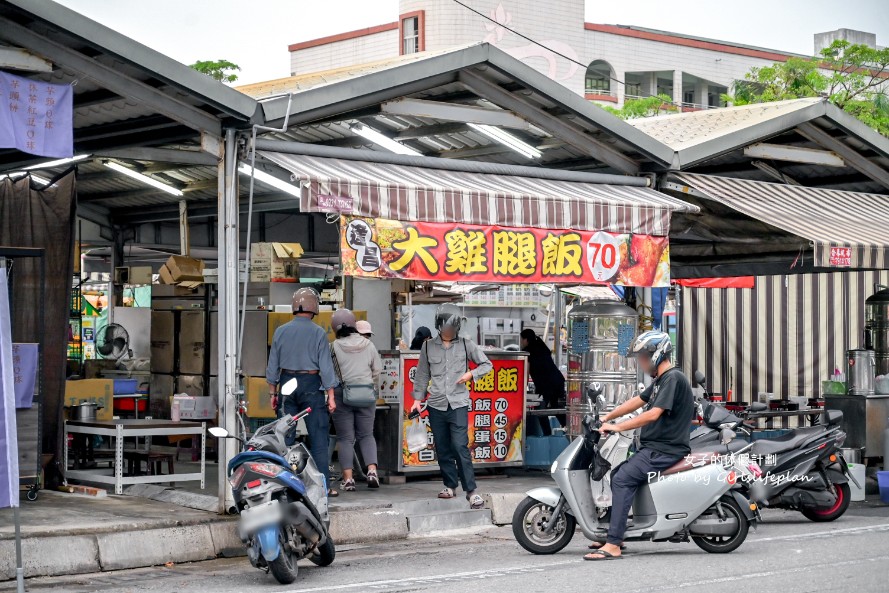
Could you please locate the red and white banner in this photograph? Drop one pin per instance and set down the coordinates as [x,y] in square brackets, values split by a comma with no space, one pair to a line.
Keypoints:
[380,248]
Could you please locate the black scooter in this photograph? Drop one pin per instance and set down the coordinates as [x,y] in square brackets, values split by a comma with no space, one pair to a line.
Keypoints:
[803,471]
[715,419]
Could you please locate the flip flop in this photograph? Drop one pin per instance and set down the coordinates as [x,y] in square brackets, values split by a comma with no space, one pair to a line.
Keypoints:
[602,555]
[598,545]
[447,493]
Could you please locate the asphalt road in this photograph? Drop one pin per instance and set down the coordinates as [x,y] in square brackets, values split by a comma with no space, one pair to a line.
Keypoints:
[787,554]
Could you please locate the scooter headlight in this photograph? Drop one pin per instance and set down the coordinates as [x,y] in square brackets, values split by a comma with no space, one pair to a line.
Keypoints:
[554,467]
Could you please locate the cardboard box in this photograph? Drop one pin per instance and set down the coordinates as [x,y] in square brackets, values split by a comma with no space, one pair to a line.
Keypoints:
[132,275]
[162,344]
[195,408]
[192,385]
[276,320]
[258,403]
[191,342]
[165,276]
[185,269]
[94,391]
[162,390]
[275,262]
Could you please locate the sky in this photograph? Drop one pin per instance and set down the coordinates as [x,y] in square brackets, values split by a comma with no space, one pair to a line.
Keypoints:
[256,34]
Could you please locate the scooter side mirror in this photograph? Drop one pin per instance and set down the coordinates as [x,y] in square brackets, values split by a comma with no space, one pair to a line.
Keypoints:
[219,432]
[700,379]
[289,387]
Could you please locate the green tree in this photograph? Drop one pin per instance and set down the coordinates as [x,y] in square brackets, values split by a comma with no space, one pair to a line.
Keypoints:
[855,78]
[644,107]
[221,70]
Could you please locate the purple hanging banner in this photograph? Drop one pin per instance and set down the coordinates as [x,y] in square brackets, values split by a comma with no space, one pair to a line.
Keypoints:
[24,365]
[36,117]
[9,449]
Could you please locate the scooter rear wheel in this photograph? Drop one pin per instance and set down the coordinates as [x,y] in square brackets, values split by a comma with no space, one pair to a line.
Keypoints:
[284,567]
[528,524]
[819,515]
[721,544]
[326,553]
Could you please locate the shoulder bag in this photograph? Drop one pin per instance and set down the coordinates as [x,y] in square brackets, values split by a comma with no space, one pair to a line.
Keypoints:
[359,395]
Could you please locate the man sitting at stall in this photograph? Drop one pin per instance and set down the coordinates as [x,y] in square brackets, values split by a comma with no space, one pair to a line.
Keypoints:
[444,368]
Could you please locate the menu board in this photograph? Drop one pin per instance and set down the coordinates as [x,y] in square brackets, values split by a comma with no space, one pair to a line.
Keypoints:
[390,377]
[496,417]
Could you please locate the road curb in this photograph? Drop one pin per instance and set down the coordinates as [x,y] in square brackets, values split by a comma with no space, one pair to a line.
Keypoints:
[51,556]
[366,526]
[503,506]
[141,544]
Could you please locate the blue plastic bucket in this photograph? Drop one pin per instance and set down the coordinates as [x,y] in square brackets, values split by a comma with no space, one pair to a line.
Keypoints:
[883,481]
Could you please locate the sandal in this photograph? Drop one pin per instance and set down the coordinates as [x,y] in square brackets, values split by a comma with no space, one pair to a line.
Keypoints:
[476,502]
[332,493]
[598,545]
[446,493]
[348,485]
[372,480]
[601,555]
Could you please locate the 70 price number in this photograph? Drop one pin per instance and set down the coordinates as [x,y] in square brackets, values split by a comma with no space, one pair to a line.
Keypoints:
[603,256]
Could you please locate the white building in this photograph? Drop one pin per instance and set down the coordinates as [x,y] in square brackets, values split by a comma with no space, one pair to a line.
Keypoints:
[606,63]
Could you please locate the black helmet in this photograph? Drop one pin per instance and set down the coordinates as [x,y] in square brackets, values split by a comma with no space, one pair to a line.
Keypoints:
[448,316]
[656,345]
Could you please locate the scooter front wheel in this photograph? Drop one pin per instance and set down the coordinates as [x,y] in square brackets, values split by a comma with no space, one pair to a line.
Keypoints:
[529,523]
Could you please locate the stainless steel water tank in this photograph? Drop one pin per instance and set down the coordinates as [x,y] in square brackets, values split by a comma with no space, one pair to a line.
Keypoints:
[876,320]
[599,335]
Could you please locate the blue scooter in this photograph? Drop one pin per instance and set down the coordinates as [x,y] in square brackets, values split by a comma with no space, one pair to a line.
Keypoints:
[281,498]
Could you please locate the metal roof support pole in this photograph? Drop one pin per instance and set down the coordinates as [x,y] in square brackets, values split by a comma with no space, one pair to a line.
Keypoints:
[227,262]
[184,241]
[558,314]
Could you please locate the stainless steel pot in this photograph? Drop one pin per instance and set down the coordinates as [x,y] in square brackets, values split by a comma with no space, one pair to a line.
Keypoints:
[860,372]
[852,455]
[84,411]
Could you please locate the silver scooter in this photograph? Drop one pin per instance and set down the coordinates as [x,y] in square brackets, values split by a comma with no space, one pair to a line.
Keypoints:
[695,500]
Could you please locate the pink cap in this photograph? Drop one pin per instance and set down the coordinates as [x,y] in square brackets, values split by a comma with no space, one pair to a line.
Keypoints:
[363,327]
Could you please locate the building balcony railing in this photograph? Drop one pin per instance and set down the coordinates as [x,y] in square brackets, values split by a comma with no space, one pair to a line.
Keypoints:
[593,94]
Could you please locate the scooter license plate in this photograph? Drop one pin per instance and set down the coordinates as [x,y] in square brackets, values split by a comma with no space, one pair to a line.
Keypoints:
[255,518]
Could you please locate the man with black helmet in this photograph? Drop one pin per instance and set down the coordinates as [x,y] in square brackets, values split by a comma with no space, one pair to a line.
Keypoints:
[300,351]
[444,369]
[665,421]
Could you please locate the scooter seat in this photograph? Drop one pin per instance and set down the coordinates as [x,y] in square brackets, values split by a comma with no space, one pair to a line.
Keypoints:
[691,461]
[784,443]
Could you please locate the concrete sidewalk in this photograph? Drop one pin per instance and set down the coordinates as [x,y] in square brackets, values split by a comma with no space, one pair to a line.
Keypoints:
[75,534]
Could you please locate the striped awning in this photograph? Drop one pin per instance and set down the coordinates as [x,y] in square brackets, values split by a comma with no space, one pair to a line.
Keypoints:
[830,219]
[410,194]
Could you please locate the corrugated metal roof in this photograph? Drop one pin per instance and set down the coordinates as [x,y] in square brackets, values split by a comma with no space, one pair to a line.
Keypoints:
[830,219]
[310,80]
[683,130]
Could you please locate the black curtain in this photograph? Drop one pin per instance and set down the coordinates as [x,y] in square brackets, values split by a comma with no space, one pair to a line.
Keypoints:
[32,216]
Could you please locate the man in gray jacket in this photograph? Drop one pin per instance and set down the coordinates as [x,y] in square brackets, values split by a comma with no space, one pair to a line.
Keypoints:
[444,369]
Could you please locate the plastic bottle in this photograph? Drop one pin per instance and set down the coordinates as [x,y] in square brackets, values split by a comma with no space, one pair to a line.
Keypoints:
[174,410]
